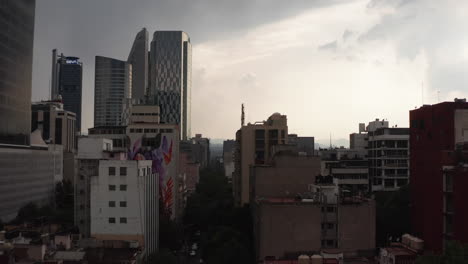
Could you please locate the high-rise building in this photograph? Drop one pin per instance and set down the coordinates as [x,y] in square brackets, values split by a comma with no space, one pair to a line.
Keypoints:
[16,52]
[254,143]
[138,58]
[439,178]
[112,89]
[67,76]
[28,166]
[171,78]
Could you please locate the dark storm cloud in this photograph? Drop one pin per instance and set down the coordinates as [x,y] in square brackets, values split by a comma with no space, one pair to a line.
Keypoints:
[87,28]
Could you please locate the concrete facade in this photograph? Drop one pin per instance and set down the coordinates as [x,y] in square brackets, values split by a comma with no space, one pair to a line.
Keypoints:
[439,157]
[254,142]
[287,176]
[138,58]
[125,203]
[57,125]
[90,152]
[285,228]
[28,175]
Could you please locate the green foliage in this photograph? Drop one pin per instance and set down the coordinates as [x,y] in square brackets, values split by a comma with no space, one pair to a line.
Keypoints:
[226,229]
[62,213]
[393,214]
[170,234]
[454,253]
[164,256]
[226,245]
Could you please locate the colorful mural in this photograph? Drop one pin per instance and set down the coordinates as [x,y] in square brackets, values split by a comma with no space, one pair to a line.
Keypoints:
[163,165]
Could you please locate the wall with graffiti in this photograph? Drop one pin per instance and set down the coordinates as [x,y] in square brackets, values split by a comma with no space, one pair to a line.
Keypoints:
[162,149]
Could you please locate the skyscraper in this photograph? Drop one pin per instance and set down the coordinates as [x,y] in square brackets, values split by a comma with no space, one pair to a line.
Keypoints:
[113,85]
[67,76]
[28,172]
[16,41]
[171,77]
[138,57]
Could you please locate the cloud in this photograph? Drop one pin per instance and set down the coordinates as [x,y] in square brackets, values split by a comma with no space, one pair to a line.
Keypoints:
[331,46]
[435,28]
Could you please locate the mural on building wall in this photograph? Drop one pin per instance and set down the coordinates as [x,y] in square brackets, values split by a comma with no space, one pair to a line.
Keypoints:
[160,152]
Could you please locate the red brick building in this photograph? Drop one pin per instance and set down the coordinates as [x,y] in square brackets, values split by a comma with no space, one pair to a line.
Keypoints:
[439,173]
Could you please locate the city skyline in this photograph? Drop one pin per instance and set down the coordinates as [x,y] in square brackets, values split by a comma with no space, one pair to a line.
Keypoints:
[363,57]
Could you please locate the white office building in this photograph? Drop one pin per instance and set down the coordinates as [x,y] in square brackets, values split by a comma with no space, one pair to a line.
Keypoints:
[125,203]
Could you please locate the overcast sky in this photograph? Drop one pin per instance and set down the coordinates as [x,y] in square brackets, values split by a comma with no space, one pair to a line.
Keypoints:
[327,64]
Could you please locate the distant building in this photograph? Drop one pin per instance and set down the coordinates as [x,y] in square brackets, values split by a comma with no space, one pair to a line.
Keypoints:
[229,147]
[138,58]
[304,144]
[112,88]
[201,150]
[388,156]
[254,142]
[439,179]
[170,78]
[125,203]
[350,171]
[66,82]
[57,125]
[120,141]
[17,30]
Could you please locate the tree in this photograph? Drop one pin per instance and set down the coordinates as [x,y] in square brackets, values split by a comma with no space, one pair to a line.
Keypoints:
[393,214]
[454,253]
[164,256]
[226,229]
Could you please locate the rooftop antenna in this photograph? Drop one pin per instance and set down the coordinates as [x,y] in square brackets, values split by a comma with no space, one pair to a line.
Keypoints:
[242,116]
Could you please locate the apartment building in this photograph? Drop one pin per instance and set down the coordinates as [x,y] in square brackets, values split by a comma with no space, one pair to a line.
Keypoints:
[254,142]
[439,158]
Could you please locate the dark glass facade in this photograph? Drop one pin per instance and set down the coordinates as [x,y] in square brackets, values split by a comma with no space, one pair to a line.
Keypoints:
[112,85]
[171,77]
[70,87]
[16,48]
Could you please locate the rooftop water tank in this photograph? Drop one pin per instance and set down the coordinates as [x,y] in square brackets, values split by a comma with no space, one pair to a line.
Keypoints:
[303,259]
[316,259]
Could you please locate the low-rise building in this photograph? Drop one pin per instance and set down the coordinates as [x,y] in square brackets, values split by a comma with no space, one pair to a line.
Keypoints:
[296,211]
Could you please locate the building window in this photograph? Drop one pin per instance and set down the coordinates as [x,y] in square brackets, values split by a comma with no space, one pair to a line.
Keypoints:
[111,171]
[149,171]
[123,171]
[123,187]
[111,203]
[330,209]
[111,187]
[111,220]
[123,220]
[81,177]
[132,130]
[81,191]
[123,204]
